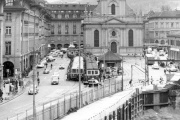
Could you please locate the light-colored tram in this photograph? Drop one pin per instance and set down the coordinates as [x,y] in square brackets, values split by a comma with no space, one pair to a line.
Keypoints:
[73,71]
[92,70]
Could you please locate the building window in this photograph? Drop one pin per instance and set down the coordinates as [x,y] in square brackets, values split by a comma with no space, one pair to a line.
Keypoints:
[8,48]
[130,37]
[113,7]
[9,2]
[167,25]
[156,34]
[172,42]
[8,17]
[172,24]
[156,24]
[59,29]
[52,29]
[74,28]
[66,16]
[59,16]
[66,28]
[177,25]
[74,16]
[96,38]
[8,30]
[113,33]
[162,25]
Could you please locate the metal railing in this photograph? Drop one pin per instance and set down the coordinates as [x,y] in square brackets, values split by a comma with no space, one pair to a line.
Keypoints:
[69,103]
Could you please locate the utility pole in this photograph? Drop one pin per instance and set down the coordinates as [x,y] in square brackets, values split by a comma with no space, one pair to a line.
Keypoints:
[34,102]
[1,40]
[79,73]
[122,81]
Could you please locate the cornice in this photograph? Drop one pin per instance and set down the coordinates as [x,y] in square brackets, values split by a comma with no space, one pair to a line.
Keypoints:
[13,8]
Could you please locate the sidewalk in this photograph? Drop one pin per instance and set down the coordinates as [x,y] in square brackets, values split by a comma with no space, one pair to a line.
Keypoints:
[7,98]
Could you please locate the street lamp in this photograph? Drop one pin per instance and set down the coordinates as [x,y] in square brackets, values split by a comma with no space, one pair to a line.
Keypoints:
[79,72]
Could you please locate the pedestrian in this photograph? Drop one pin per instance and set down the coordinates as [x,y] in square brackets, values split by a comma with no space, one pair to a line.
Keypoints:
[164,71]
[130,83]
[161,80]
[151,80]
[38,81]
[46,65]
[51,66]
[37,73]
[1,94]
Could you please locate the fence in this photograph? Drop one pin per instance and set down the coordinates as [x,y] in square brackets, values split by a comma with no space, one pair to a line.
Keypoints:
[129,110]
[61,107]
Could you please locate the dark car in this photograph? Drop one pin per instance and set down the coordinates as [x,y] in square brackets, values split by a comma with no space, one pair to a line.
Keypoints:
[61,67]
[93,82]
[46,71]
[86,83]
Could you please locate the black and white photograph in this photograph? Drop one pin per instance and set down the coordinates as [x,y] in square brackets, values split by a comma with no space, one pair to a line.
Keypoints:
[89,59]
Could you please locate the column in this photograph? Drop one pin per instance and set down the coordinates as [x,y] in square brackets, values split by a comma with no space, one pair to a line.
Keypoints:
[1,44]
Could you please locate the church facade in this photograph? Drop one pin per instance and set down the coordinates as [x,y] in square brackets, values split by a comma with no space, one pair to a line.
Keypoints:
[113,25]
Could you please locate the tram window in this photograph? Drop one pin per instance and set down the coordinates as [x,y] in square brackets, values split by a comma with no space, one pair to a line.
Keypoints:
[96,72]
[89,72]
[73,70]
[92,72]
[81,70]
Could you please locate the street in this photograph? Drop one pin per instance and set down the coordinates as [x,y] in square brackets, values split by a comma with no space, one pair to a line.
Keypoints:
[47,92]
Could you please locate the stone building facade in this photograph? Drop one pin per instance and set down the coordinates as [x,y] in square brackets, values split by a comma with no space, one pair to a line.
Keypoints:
[26,29]
[66,24]
[160,24]
[114,26]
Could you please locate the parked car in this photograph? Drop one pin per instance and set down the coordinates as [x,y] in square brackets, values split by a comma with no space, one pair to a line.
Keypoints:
[61,67]
[40,65]
[85,82]
[44,61]
[173,68]
[54,80]
[50,58]
[46,71]
[155,65]
[31,92]
[93,82]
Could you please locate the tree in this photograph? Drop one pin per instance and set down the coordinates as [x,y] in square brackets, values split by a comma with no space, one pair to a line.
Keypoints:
[165,8]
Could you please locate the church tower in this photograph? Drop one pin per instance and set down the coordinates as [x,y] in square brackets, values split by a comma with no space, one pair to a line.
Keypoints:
[113,7]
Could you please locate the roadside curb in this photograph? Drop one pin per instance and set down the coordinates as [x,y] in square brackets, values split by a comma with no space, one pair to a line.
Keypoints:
[20,93]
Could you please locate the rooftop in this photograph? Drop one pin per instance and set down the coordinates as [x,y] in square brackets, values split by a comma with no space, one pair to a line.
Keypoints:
[164,14]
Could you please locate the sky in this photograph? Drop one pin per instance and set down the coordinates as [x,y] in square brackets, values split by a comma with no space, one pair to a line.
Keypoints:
[73,1]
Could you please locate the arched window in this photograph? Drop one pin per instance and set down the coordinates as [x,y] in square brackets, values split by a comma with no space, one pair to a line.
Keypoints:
[130,37]
[114,47]
[113,33]
[96,38]
[113,9]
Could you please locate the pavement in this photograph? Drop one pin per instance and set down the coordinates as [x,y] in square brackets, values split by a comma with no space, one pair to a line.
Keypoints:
[27,80]
[11,96]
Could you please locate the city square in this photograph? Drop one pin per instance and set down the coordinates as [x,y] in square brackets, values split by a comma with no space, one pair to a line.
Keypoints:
[62,60]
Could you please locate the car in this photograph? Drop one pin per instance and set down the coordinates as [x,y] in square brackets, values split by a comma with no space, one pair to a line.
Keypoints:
[40,65]
[155,65]
[85,82]
[46,71]
[173,68]
[93,82]
[55,54]
[50,58]
[61,67]
[44,61]
[31,92]
[54,80]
